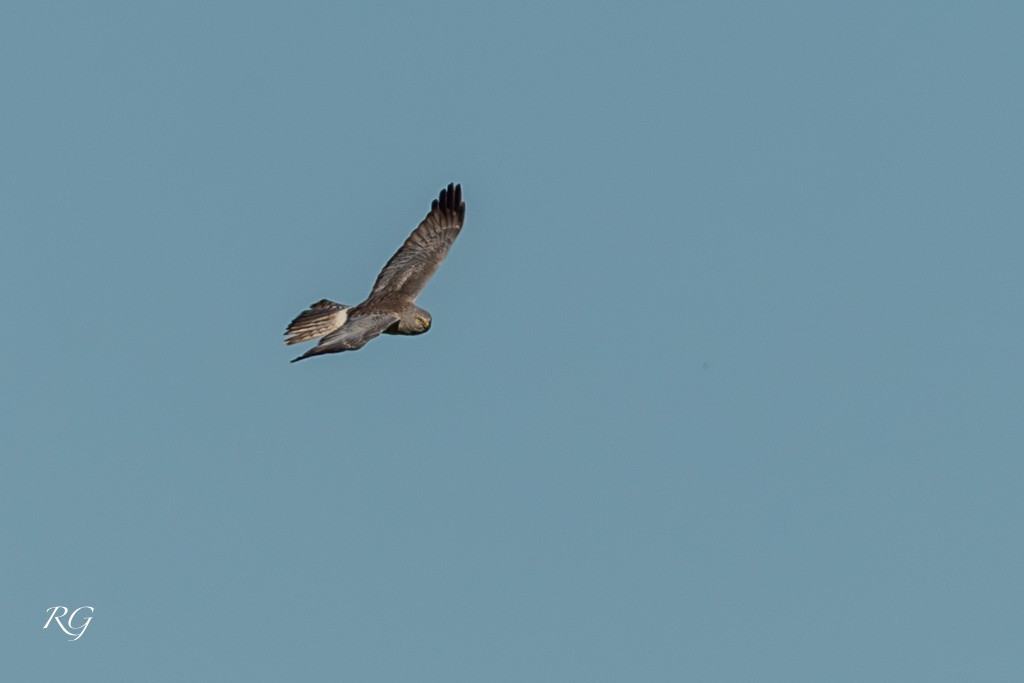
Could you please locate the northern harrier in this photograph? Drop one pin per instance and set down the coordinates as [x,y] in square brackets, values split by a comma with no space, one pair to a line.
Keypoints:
[391,307]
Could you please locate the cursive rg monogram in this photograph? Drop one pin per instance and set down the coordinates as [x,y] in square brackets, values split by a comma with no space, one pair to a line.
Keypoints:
[69,627]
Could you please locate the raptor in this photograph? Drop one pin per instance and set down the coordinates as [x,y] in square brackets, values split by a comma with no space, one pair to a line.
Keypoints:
[391,306]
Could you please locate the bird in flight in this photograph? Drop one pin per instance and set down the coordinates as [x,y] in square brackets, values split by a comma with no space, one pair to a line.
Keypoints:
[391,306]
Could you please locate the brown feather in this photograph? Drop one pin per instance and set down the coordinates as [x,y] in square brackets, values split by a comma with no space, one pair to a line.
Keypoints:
[319,320]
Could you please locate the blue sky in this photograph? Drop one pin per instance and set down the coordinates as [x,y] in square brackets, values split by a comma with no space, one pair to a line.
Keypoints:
[724,381]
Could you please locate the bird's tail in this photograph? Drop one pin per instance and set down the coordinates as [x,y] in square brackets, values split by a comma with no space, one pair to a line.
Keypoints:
[319,320]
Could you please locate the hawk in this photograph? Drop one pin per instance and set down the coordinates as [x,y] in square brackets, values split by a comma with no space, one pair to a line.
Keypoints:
[391,306]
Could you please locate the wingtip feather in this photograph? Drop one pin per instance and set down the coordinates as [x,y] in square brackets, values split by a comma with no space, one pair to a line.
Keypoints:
[450,199]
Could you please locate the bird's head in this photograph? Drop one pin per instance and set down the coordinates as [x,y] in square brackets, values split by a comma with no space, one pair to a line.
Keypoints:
[415,321]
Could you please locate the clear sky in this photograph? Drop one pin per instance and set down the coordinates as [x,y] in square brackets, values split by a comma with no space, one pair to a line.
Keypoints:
[724,381]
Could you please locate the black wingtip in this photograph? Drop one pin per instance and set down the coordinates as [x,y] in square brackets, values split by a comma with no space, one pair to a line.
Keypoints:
[450,199]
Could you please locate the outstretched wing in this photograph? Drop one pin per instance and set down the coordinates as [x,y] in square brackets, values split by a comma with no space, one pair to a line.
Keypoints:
[410,268]
[357,330]
[319,320]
